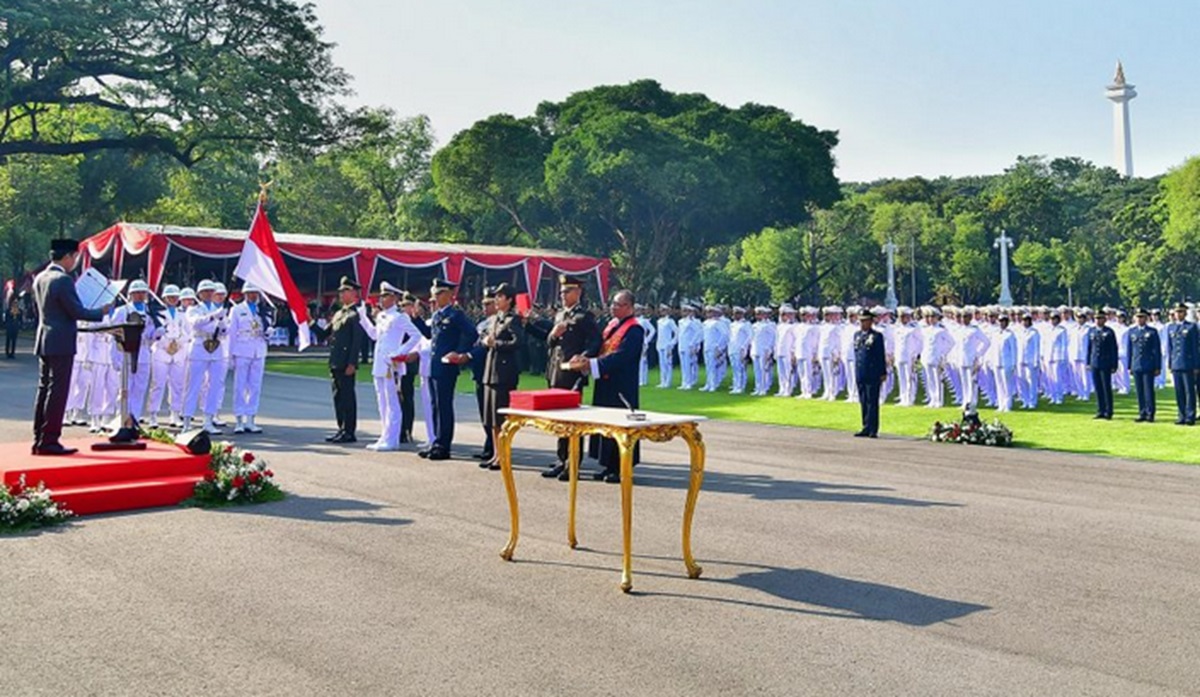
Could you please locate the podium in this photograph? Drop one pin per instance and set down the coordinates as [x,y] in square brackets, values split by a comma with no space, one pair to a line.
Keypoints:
[129,336]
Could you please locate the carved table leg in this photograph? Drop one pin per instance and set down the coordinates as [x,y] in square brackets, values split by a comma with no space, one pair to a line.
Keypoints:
[625,443]
[573,457]
[504,448]
[696,446]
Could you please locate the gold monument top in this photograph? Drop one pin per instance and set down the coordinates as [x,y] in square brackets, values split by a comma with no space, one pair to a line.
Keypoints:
[1119,79]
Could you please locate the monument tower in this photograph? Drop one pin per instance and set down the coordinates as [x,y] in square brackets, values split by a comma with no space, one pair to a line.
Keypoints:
[1119,93]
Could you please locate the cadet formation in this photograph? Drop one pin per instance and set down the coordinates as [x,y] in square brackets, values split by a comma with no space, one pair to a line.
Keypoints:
[1004,358]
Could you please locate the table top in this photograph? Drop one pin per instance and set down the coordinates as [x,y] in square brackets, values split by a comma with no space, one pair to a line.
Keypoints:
[607,416]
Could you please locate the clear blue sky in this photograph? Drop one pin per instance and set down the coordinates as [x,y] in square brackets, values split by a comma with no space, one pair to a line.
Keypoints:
[927,87]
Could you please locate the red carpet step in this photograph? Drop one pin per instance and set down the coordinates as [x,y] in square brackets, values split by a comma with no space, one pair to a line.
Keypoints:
[91,482]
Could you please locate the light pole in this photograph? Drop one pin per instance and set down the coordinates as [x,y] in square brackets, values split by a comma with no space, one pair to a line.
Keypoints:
[890,249]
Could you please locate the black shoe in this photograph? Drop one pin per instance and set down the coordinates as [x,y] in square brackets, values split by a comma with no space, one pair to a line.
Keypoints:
[555,471]
[344,438]
[1098,416]
[1181,422]
[1139,419]
[486,464]
[599,476]
[483,455]
[872,435]
[860,434]
[54,449]
[565,475]
[438,455]
[423,453]
[1191,422]
[333,437]
[1150,419]
[612,477]
[495,466]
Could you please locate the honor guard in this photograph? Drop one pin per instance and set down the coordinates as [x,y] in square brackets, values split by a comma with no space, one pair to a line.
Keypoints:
[1101,346]
[907,337]
[762,349]
[1029,362]
[139,379]
[936,343]
[168,367]
[1144,352]
[206,320]
[784,357]
[716,349]
[395,337]
[739,349]
[573,332]
[1183,345]
[870,371]
[647,345]
[691,336]
[829,352]
[1003,357]
[250,321]
[665,340]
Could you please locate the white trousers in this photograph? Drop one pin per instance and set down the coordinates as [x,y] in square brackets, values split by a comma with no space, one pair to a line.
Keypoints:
[935,387]
[389,412]
[102,398]
[427,409]
[763,374]
[787,377]
[953,376]
[714,370]
[644,371]
[969,397]
[164,375]
[1058,381]
[689,366]
[666,368]
[804,377]
[908,384]
[1028,381]
[81,384]
[247,385]
[139,385]
[739,375]
[848,371]
[1006,384]
[200,374]
[1082,378]
[829,377]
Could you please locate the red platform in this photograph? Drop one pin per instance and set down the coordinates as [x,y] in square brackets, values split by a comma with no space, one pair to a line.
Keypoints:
[101,482]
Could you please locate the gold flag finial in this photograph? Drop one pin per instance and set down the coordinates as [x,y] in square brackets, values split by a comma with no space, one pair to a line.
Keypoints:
[262,191]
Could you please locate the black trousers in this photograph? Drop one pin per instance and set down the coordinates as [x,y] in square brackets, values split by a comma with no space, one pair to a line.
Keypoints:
[10,340]
[488,446]
[54,385]
[1185,394]
[442,389]
[1143,382]
[868,401]
[407,407]
[564,447]
[1102,382]
[345,402]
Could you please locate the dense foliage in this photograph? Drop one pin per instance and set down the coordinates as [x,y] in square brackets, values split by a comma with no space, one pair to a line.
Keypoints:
[174,111]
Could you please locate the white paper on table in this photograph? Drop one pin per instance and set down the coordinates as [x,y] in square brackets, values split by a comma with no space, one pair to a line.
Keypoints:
[95,291]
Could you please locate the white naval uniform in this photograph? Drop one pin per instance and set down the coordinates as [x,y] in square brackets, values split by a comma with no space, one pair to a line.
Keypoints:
[665,340]
[1003,357]
[1121,377]
[1081,377]
[966,356]
[168,362]
[1029,363]
[691,334]
[644,365]
[807,346]
[425,351]
[139,382]
[1058,365]
[206,321]
[762,349]
[801,359]
[848,362]
[829,353]
[936,342]
[102,398]
[739,351]
[907,339]
[394,335]
[81,375]
[716,353]
[248,348]
[784,342]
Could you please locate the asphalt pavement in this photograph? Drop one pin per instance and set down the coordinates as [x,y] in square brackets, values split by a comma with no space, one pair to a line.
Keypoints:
[832,566]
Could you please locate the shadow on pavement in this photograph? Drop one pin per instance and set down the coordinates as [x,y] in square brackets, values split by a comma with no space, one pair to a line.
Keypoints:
[767,488]
[319,509]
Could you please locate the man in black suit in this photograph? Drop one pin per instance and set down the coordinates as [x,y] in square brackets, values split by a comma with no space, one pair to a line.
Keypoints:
[504,340]
[346,338]
[573,332]
[1101,351]
[870,371]
[616,373]
[58,311]
[479,354]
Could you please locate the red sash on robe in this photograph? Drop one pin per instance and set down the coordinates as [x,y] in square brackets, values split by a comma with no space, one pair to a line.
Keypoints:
[614,332]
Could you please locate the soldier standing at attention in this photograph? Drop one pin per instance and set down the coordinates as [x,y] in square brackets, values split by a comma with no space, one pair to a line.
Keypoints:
[451,336]
[572,333]
[345,336]
[1183,345]
[870,371]
[1144,352]
[667,337]
[1101,351]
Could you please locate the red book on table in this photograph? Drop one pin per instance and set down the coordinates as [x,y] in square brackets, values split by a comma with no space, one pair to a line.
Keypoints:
[541,400]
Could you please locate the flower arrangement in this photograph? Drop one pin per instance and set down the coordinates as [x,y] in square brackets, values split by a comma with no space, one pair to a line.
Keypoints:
[235,477]
[971,430]
[24,508]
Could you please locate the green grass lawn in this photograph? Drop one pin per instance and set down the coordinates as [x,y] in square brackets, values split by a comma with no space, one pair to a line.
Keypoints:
[1068,428]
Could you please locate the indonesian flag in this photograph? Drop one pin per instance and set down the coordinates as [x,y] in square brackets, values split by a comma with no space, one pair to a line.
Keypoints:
[262,264]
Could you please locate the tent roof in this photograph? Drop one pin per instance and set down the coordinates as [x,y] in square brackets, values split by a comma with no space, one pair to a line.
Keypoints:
[353,242]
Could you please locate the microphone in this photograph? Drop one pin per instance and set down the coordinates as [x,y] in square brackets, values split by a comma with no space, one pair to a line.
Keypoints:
[633,414]
[578,386]
[625,402]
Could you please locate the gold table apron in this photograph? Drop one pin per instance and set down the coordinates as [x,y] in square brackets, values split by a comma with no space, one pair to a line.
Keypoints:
[626,436]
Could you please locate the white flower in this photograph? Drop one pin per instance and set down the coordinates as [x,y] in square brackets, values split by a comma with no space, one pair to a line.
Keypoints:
[22,505]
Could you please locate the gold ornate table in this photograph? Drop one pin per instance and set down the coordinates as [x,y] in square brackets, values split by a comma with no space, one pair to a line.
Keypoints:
[615,424]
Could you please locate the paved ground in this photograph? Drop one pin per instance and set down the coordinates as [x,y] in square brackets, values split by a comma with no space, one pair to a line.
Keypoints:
[833,566]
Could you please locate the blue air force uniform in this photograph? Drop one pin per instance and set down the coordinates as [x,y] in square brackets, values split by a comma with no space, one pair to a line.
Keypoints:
[1144,350]
[1183,342]
[1101,351]
[450,332]
[870,369]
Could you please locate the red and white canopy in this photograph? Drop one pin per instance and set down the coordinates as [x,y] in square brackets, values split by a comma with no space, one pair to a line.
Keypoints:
[166,254]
